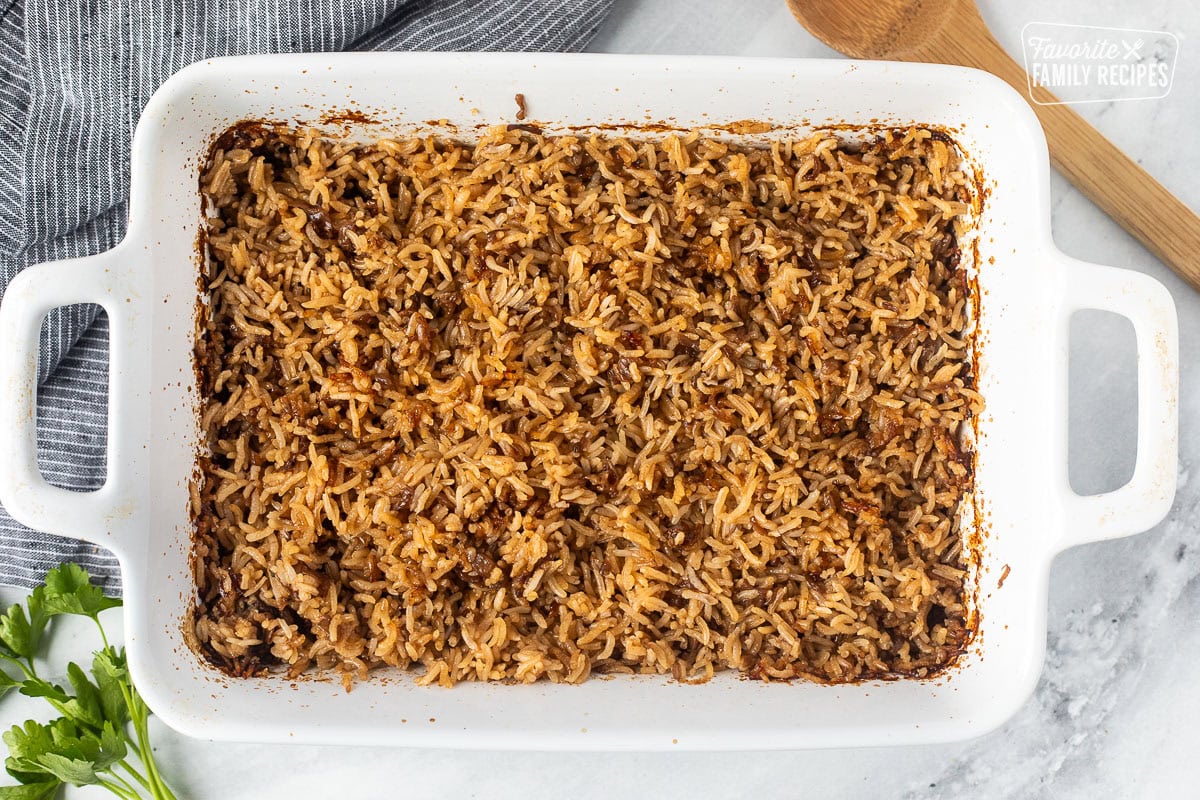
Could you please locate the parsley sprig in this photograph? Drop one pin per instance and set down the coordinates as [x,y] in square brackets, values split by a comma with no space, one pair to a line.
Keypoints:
[90,744]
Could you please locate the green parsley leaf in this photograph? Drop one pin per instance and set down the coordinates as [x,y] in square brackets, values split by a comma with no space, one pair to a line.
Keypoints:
[87,697]
[25,744]
[63,733]
[37,616]
[112,744]
[28,741]
[69,590]
[108,668]
[25,777]
[112,662]
[75,771]
[78,744]
[84,709]
[7,682]
[16,632]
[64,750]
[42,790]
[36,687]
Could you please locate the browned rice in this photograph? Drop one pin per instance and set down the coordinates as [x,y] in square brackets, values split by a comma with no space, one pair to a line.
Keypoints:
[547,406]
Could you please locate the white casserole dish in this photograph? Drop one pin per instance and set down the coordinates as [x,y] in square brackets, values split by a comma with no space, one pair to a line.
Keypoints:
[148,285]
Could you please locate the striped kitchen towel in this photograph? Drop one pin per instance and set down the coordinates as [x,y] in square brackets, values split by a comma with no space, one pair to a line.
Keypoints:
[73,78]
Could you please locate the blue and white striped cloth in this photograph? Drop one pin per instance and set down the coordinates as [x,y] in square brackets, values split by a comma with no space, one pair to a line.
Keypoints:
[74,77]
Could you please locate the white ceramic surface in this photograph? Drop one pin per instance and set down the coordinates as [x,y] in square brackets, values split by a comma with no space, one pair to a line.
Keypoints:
[147,286]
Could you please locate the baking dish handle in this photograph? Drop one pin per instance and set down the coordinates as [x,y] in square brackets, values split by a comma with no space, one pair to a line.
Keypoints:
[1145,500]
[24,492]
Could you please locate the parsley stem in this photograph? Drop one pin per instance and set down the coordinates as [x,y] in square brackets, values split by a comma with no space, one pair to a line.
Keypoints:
[118,790]
[137,776]
[138,716]
[161,789]
[30,671]
[132,789]
[151,781]
[103,637]
[27,668]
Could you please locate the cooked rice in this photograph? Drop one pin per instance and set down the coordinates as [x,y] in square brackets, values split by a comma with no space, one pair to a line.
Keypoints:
[547,406]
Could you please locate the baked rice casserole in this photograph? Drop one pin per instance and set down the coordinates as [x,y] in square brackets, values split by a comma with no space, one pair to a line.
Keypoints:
[540,406]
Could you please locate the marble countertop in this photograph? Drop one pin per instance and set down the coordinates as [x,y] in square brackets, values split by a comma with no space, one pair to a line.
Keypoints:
[1116,713]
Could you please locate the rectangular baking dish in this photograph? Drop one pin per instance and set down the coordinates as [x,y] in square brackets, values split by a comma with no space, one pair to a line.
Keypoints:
[1023,504]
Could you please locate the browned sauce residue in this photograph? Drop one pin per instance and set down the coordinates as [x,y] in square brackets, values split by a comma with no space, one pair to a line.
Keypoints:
[345,116]
[640,127]
[1003,576]
[443,124]
[240,136]
[521,109]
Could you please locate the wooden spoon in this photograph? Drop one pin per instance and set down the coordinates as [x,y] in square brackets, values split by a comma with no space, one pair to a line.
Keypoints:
[953,32]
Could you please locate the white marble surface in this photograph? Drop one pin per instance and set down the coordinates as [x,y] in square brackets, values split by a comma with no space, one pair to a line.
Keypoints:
[1117,713]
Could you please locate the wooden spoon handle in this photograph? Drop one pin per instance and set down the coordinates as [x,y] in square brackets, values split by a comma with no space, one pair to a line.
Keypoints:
[1123,190]
[1108,177]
